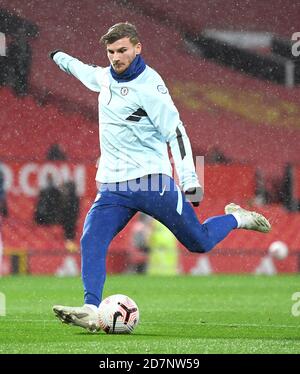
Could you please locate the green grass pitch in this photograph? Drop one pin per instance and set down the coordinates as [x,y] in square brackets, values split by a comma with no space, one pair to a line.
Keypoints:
[183,314]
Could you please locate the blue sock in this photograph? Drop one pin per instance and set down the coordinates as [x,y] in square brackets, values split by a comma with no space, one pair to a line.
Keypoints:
[219,227]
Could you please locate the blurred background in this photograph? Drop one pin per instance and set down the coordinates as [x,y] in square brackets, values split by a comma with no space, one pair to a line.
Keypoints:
[233,71]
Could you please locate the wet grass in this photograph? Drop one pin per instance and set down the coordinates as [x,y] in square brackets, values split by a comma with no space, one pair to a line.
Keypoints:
[183,314]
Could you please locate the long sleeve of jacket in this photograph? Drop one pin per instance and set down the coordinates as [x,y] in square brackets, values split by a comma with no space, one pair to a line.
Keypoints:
[89,75]
[164,115]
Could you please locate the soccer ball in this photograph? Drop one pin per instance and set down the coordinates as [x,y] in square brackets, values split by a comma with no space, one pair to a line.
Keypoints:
[278,250]
[118,314]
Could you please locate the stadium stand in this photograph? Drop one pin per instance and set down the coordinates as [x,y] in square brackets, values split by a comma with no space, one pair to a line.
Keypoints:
[255,124]
[24,123]
[249,120]
[194,16]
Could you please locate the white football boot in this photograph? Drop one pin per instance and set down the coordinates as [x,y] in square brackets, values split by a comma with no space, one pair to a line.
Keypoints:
[248,220]
[84,316]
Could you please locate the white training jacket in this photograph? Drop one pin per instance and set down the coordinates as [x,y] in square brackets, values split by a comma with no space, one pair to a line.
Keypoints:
[136,121]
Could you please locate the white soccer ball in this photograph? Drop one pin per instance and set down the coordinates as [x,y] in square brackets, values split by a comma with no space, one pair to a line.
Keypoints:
[278,250]
[118,314]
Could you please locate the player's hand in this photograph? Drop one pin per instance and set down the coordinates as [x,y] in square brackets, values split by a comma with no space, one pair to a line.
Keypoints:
[194,195]
[51,54]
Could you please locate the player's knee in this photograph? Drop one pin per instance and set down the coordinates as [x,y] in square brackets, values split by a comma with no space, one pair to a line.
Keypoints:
[87,246]
[92,245]
[201,247]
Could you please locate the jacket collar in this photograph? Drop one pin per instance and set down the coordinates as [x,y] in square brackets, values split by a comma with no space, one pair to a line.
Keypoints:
[133,71]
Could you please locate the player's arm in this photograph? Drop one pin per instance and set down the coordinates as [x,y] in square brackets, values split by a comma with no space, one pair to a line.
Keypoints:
[162,112]
[87,74]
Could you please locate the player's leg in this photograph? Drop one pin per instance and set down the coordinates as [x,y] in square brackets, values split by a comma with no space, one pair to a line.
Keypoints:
[196,237]
[177,214]
[102,224]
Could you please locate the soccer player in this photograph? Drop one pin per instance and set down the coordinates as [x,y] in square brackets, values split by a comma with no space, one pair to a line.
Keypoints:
[138,119]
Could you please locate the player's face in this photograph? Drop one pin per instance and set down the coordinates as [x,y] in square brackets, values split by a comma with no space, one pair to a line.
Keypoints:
[121,53]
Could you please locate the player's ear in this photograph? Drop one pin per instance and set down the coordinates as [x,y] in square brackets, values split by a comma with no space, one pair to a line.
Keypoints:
[138,48]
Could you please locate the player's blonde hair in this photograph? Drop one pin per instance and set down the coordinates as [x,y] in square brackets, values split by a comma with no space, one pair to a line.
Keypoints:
[119,31]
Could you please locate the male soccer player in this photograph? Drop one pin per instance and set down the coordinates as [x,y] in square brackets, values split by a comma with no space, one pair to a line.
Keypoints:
[138,118]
